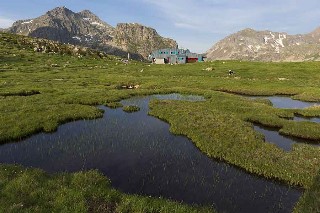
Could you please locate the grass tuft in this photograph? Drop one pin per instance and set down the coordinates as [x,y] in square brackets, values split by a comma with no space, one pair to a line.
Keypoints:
[131,108]
[114,105]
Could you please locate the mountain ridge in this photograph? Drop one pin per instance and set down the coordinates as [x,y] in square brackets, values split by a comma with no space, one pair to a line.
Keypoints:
[252,45]
[87,29]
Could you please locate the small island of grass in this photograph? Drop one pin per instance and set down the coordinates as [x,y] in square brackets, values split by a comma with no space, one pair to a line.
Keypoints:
[114,105]
[131,108]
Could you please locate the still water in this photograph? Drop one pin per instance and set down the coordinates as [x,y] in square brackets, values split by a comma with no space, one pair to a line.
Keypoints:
[272,135]
[285,102]
[139,154]
[310,119]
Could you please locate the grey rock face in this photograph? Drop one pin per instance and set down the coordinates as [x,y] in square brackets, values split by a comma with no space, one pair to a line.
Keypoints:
[137,38]
[252,45]
[86,29]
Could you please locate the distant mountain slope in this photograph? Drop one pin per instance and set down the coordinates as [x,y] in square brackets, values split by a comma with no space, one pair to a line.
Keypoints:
[249,44]
[86,29]
[40,45]
[134,37]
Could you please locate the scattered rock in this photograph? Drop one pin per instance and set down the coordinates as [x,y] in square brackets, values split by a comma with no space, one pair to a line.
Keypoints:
[130,86]
[209,69]
[125,61]
[231,72]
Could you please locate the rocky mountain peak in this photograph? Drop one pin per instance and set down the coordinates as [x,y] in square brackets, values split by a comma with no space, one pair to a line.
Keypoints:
[316,32]
[136,29]
[59,11]
[135,37]
[249,44]
[92,19]
[247,30]
[87,13]
[87,29]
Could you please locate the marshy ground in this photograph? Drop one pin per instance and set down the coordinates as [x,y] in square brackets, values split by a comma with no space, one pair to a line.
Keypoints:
[140,156]
[37,97]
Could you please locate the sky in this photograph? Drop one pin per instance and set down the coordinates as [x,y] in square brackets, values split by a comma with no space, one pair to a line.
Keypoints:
[194,24]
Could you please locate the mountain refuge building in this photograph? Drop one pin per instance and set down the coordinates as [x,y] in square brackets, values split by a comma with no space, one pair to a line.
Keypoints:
[174,56]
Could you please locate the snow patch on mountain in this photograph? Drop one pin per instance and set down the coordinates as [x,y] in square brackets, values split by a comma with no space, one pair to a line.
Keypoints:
[266,39]
[272,35]
[279,41]
[27,22]
[77,38]
[274,42]
[97,23]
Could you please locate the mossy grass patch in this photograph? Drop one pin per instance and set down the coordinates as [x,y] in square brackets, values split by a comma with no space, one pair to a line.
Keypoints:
[114,105]
[131,108]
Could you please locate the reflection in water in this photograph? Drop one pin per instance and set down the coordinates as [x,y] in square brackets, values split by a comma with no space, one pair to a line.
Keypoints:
[272,135]
[139,154]
[284,142]
[285,102]
[313,119]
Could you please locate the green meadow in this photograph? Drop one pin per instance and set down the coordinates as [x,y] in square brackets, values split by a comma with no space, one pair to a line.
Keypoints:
[40,91]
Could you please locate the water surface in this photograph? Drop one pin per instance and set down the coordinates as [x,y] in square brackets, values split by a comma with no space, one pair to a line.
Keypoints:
[284,142]
[310,119]
[139,154]
[271,134]
[285,102]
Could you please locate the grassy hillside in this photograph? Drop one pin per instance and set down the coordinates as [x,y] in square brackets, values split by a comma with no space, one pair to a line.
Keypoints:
[39,91]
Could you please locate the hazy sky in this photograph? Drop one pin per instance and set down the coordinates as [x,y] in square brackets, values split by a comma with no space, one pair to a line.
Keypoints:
[195,24]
